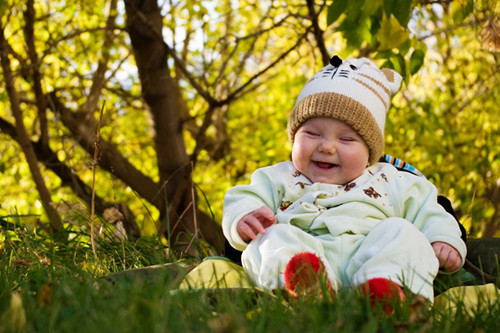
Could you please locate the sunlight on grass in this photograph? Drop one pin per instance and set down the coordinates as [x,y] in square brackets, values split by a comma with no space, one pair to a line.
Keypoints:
[134,287]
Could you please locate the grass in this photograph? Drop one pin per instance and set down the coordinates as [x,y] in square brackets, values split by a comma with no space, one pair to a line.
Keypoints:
[48,288]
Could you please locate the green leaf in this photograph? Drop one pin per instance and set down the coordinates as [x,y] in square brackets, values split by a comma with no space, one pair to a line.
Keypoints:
[355,33]
[405,47]
[416,61]
[354,40]
[402,12]
[335,10]
[11,235]
[374,25]
[400,64]
[357,7]
[387,64]
[385,54]
[389,6]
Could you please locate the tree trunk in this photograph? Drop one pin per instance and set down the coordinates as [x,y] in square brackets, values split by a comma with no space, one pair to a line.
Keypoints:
[180,218]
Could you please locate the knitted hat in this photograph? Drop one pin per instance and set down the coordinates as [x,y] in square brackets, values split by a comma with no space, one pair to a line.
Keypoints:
[354,91]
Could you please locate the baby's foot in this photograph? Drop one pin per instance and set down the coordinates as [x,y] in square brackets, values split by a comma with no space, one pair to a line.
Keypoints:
[384,292]
[305,275]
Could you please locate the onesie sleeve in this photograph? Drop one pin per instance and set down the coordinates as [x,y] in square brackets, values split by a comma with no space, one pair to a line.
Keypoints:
[420,206]
[264,189]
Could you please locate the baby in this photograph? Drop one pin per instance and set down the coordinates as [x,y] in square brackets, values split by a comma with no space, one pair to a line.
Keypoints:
[360,223]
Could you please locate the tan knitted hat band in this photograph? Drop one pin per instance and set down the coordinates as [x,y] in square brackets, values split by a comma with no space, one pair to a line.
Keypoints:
[345,109]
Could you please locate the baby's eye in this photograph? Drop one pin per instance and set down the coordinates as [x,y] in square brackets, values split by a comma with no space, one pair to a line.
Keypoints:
[313,133]
[348,138]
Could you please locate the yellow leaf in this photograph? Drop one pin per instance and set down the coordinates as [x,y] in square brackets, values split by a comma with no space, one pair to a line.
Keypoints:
[391,33]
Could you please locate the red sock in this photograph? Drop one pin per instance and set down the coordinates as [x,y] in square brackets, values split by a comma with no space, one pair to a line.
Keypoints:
[304,274]
[383,291]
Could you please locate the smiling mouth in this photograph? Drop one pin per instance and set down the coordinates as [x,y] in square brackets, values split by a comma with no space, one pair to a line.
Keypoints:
[325,165]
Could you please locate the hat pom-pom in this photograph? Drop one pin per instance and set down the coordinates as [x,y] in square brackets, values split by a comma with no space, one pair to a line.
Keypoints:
[335,61]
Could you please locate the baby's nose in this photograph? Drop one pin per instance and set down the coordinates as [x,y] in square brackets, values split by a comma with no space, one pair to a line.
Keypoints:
[327,147]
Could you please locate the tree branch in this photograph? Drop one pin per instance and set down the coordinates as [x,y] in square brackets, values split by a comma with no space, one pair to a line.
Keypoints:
[98,79]
[240,90]
[29,16]
[69,179]
[317,32]
[25,143]
[82,129]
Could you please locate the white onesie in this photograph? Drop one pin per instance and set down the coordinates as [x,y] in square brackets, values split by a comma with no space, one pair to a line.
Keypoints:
[381,224]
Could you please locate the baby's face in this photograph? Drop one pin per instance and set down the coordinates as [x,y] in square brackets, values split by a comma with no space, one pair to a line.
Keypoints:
[329,151]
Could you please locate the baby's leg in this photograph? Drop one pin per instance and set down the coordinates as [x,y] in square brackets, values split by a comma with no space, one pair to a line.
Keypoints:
[266,257]
[395,249]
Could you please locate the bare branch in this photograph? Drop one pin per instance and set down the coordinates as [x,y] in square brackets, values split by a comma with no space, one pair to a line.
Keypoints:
[239,91]
[24,140]
[111,159]
[318,33]
[98,79]
[41,102]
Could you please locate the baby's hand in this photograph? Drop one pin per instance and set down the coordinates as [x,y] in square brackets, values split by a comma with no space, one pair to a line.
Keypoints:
[255,223]
[449,258]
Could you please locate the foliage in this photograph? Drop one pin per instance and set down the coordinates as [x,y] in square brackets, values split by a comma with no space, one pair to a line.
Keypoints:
[235,80]
[381,27]
[453,137]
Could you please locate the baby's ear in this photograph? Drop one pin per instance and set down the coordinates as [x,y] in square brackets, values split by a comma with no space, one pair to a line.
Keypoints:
[393,78]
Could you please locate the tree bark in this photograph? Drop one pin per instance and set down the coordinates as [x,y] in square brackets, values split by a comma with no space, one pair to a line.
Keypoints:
[180,217]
